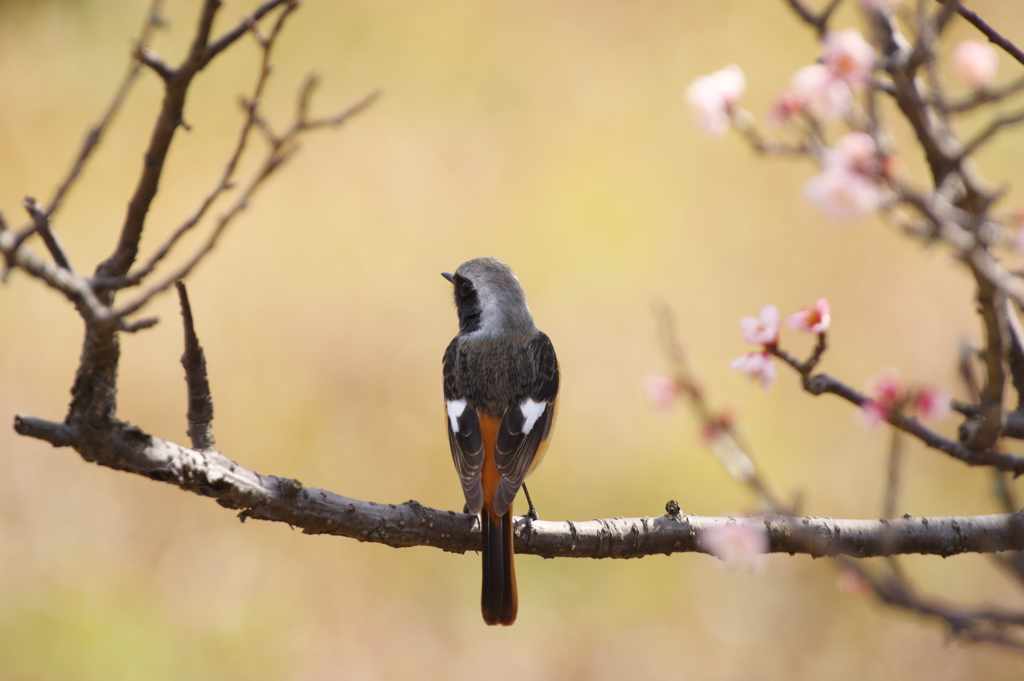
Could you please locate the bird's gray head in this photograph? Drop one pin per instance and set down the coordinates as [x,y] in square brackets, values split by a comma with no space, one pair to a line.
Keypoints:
[489,299]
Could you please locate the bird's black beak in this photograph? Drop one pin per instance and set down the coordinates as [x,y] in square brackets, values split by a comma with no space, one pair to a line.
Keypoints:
[449,276]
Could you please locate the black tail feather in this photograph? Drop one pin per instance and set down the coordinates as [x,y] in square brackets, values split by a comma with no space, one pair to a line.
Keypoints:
[499,600]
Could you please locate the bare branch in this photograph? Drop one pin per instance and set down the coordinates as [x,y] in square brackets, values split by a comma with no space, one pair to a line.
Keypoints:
[95,135]
[170,117]
[138,325]
[151,59]
[989,132]
[251,105]
[200,401]
[1015,355]
[41,221]
[73,287]
[222,43]
[981,625]
[818,21]
[984,431]
[987,96]
[766,146]
[944,219]
[278,154]
[318,511]
[342,116]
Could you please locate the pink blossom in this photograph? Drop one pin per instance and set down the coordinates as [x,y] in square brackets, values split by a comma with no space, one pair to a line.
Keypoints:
[763,329]
[845,189]
[739,545]
[854,151]
[787,105]
[888,388]
[716,426]
[823,95]
[662,390]
[975,62]
[843,194]
[851,583]
[888,394]
[758,366]
[713,98]
[848,57]
[874,412]
[814,319]
[931,402]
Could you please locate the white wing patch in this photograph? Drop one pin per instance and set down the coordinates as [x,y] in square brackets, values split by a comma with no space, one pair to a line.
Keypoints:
[531,412]
[455,409]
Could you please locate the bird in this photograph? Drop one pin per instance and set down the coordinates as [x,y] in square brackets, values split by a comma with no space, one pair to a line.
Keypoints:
[501,380]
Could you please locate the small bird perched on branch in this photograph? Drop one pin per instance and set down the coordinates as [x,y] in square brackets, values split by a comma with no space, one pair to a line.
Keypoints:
[500,391]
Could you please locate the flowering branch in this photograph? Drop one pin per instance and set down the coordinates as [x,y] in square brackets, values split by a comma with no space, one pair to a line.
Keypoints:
[743,542]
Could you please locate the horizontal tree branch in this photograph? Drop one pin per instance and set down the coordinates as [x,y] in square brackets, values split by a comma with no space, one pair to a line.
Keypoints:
[317,511]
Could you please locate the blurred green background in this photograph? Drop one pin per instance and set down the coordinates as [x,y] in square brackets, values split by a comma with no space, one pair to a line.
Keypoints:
[555,136]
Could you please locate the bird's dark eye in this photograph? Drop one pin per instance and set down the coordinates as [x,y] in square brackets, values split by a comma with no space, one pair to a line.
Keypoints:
[465,288]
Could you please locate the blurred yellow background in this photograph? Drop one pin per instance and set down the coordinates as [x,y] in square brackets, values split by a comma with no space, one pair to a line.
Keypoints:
[554,136]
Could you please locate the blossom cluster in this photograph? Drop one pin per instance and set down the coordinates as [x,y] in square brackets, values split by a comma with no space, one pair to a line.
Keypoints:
[854,170]
[763,330]
[890,395]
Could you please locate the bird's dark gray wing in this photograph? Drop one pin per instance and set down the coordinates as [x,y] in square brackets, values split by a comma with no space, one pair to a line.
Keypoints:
[526,425]
[464,435]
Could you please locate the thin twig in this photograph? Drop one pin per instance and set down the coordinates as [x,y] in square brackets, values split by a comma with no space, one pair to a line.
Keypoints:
[136,277]
[72,286]
[989,132]
[277,155]
[820,384]
[989,32]
[987,96]
[892,480]
[95,135]
[166,126]
[719,433]
[818,21]
[151,59]
[41,220]
[222,43]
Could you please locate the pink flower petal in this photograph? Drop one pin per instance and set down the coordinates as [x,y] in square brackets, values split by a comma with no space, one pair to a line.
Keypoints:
[874,413]
[888,388]
[848,57]
[854,151]
[713,98]
[739,545]
[975,62]
[662,390]
[842,194]
[758,366]
[813,319]
[763,329]
[932,402]
[823,95]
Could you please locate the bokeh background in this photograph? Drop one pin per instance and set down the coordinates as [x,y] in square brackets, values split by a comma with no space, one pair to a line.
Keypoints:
[552,135]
